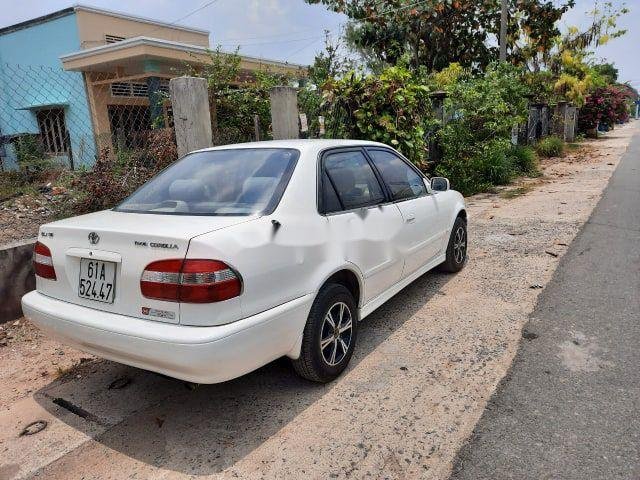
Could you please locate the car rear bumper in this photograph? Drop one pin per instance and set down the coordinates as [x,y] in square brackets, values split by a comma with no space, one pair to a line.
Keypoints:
[196,354]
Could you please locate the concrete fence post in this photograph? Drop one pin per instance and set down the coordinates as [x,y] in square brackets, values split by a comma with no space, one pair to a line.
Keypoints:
[284,113]
[190,103]
[561,112]
[16,277]
[572,124]
[532,124]
[437,105]
[544,120]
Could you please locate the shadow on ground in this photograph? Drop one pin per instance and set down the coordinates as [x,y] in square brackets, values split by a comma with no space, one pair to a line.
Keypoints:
[160,422]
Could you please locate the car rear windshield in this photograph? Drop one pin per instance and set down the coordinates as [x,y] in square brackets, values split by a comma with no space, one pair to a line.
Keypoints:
[248,181]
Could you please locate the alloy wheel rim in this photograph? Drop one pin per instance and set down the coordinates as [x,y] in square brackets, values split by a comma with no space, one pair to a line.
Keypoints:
[460,245]
[336,334]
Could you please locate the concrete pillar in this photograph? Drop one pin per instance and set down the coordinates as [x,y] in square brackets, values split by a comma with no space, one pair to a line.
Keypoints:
[190,102]
[572,124]
[561,119]
[437,104]
[284,113]
[544,121]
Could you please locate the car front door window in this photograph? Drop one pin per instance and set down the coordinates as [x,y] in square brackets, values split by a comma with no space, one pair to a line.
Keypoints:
[403,181]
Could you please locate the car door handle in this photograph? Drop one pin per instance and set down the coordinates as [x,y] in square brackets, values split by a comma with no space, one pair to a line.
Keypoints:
[411,218]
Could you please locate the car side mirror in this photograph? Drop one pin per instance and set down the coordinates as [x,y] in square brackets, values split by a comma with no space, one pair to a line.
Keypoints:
[439,184]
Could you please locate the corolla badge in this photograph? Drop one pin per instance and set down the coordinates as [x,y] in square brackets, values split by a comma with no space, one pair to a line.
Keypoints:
[94,238]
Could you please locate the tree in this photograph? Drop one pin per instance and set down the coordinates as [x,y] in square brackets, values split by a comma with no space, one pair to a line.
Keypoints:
[235,96]
[607,71]
[221,72]
[327,66]
[329,63]
[533,31]
[435,33]
[569,62]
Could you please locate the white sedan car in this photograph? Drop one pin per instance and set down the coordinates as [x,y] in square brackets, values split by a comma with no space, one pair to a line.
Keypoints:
[238,255]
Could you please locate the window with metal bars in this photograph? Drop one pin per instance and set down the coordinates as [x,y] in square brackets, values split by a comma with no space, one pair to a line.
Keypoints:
[53,131]
[136,89]
[113,38]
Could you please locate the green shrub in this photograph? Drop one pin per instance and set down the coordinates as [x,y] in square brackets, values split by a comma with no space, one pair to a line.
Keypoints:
[392,107]
[32,161]
[476,141]
[525,160]
[116,175]
[550,147]
[498,166]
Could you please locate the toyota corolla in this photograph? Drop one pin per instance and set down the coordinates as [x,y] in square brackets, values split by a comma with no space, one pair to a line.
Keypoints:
[235,256]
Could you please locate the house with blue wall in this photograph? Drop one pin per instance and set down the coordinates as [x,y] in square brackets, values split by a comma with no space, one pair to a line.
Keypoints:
[38,97]
[81,80]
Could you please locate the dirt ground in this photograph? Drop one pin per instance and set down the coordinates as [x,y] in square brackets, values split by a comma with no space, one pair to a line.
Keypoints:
[425,365]
[21,217]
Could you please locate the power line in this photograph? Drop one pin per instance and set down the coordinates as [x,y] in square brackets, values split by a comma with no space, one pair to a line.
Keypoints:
[281,34]
[202,7]
[293,40]
[394,10]
[327,32]
[173,23]
[301,49]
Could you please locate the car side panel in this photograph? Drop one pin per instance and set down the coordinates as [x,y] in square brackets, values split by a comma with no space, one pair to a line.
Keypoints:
[451,204]
[421,240]
[369,238]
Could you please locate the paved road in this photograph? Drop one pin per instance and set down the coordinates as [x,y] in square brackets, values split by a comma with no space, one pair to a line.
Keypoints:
[570,406]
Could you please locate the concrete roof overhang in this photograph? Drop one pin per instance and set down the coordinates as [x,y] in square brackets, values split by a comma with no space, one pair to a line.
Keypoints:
[140,55]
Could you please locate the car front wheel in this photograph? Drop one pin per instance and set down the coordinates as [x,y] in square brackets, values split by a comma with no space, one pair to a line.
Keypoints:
[329,336]
[457,247]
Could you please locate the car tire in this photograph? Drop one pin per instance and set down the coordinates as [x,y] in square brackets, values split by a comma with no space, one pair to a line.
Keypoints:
[457,247]
[323,355]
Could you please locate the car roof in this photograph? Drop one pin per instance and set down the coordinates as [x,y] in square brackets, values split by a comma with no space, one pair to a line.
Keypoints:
[304,145]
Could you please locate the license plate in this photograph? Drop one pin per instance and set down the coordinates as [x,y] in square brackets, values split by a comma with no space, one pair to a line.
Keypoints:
[97,280]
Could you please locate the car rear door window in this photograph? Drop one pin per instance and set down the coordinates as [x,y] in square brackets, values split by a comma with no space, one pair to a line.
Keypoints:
[403,181]
[352,179]
[330,201]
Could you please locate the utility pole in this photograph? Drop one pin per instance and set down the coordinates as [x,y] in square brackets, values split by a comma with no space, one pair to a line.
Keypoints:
[503,31]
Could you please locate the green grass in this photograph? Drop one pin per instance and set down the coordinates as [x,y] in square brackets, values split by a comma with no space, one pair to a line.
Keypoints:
[525,161]
[516,192]
[550,147]
[11,185]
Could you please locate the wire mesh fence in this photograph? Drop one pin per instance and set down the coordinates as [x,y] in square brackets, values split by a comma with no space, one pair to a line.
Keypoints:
[71,118]
[47,113]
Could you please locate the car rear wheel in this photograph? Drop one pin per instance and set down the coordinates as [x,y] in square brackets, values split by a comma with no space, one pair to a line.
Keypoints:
[329,336]
[457,247]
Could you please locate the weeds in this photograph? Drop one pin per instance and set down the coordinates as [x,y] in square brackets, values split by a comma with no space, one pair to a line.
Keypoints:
[516,192]
[525,161]
[550,147]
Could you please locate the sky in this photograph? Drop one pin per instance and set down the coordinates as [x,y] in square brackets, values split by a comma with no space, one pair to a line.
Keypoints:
[292,30]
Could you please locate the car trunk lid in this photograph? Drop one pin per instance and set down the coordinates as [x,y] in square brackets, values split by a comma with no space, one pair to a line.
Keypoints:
[122,245]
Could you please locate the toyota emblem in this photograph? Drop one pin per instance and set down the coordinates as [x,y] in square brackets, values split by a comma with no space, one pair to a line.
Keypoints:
[94,238]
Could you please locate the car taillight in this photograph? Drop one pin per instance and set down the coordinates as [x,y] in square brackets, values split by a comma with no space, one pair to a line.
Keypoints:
[42,262]
[190,281]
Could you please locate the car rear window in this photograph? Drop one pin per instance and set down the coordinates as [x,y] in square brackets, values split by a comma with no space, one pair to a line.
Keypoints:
[248,181]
